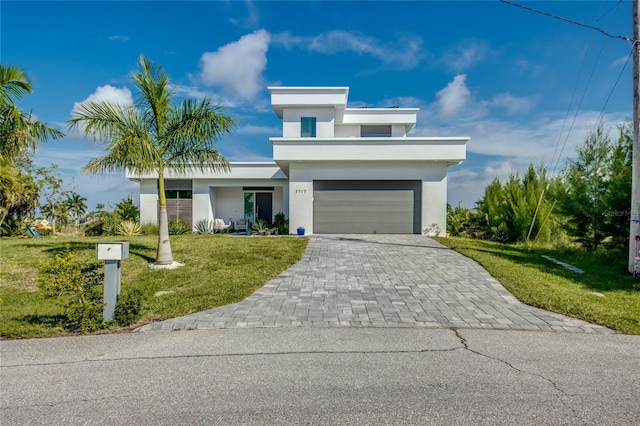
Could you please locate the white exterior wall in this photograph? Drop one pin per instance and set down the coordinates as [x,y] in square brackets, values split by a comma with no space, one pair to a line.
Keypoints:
[324,121]
[452,150]
[201,201]
[398,131]
[347,131]
[434,203]
[148,201]
[433,177]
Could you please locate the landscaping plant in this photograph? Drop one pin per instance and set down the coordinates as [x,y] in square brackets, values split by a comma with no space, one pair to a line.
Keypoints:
[77,287]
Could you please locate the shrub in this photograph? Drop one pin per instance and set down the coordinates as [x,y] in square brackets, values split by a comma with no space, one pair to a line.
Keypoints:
[204,226]
[177,227]
[149,228]
[77,287]
[129,228]
[128,307]
[281,223]
[110,224]
[260,227]
[500,233]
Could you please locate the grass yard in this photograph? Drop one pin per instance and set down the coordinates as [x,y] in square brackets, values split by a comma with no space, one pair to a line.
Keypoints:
[219,270]
[605,294]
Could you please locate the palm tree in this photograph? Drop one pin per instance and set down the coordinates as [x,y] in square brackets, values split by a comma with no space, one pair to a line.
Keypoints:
[18,130]
[18,192]
[76,205]
[154,135]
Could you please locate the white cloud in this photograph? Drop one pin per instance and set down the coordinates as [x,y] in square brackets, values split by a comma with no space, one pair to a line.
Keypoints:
[466,54]
[621,61]
[465,186]
[455,96]
[237,67]
[404,53]
[511,103]
[252,20]
[122,38]
[120,96]
[251,129]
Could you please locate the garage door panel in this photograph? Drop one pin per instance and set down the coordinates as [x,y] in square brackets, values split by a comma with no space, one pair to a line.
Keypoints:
[390,207]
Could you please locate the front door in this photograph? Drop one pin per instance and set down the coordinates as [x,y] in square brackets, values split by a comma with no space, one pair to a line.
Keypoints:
[264,206]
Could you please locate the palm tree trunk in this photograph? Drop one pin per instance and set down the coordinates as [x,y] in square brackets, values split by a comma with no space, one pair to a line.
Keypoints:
[164,257]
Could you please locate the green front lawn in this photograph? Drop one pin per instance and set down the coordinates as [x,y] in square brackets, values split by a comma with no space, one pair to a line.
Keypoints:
[605,294]
[219,270]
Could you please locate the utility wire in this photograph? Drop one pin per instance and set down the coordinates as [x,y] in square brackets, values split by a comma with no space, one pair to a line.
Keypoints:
[573,94]
[600,30]
[617,81]
[584,93]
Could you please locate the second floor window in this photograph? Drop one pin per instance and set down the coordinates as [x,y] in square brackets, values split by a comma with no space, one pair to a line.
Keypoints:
[375,131]
[308,127]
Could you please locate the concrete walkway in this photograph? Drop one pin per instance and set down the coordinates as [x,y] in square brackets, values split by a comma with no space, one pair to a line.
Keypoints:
[380,281]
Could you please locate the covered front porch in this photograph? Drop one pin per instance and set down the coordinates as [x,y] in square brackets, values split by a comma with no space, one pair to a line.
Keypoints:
[249,191]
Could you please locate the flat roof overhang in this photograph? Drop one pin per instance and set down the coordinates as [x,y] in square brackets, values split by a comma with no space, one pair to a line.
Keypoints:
[239,170]
[450,150]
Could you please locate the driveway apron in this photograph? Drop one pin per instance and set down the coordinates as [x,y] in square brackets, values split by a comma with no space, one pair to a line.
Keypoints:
[380,281]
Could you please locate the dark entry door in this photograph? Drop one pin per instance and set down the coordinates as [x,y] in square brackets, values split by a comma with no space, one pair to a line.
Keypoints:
[264,206]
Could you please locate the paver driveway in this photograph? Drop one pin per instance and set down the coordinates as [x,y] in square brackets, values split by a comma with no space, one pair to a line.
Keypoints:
[380,281]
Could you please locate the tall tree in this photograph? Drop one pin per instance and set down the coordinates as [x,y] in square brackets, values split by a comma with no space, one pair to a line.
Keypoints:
[154,135]
[76,205]
[18,196]
[618,189]
[53,190]
[585,182]
[517,210]
[19,131]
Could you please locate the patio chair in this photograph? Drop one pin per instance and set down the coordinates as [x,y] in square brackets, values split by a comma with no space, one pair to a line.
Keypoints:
[241,225]
[219,225]
[34,232]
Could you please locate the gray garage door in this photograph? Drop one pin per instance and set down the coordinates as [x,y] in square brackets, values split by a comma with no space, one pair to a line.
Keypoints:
[366,207]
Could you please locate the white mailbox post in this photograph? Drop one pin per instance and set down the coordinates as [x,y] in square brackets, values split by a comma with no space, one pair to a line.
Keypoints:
[112,254]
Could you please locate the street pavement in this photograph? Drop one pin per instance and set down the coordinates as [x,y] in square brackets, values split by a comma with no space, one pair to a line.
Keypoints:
[323,375]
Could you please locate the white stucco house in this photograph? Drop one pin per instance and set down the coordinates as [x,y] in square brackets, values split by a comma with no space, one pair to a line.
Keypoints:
[335,169]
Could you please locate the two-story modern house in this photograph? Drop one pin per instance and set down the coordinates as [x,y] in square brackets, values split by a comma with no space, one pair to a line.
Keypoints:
[335,170]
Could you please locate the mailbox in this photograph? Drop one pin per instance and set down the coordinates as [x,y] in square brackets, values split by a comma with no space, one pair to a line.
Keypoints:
[112,251]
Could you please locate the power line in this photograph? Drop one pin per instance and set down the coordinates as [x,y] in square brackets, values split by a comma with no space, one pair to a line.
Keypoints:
[584,93]
[616,83]
[560,18]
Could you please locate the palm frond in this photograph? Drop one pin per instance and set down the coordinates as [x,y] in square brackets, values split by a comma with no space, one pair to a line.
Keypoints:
[155,96]
[19,132]
[196,125]
[123,130]
[14,83]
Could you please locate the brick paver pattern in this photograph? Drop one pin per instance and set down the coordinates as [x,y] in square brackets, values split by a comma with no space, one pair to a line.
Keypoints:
[380,281]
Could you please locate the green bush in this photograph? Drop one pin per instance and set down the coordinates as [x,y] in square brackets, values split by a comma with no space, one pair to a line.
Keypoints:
[177,227]
[149,228]
[128,307]
[260,227]
[281,223]
[77,287]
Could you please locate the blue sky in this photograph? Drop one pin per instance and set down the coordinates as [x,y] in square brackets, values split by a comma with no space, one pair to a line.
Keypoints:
[523,86]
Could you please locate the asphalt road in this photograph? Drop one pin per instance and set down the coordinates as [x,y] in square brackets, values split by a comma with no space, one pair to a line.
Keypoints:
[323,376]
